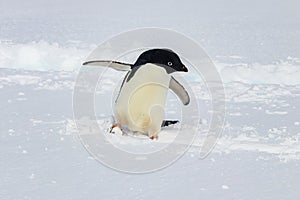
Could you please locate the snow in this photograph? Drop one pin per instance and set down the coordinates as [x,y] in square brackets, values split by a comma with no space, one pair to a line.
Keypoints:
[44,56]
[283,72]
[254,45]
[257,156]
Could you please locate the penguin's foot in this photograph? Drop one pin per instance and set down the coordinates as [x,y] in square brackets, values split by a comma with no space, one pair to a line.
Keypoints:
[154,137]
[114,126]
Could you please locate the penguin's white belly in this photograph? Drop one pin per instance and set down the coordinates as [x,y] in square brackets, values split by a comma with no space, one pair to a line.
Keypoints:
[141,102]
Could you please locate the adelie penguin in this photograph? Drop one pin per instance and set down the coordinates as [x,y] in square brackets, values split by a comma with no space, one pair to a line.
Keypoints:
[142,97]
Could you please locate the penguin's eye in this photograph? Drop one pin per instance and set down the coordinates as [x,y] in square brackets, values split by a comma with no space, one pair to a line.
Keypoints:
[170,63]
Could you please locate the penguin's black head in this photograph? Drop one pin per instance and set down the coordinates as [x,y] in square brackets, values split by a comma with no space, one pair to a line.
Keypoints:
[162,57]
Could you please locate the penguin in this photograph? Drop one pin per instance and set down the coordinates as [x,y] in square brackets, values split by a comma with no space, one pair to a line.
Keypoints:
[140,103]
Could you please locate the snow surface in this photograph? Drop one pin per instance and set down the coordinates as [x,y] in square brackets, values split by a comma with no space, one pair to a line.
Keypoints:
[255,46]
[41,156]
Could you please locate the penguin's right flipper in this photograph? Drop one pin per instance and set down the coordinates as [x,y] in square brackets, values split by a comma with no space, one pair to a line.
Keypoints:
[179,90]
[113,64]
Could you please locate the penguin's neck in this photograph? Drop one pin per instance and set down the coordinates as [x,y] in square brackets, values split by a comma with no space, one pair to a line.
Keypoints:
[150,73]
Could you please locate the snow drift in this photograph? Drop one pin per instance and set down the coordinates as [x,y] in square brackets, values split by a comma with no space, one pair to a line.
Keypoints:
[45,56]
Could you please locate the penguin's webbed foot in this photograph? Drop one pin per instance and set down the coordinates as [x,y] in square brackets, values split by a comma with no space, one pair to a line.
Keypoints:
[153,137]
[114,126]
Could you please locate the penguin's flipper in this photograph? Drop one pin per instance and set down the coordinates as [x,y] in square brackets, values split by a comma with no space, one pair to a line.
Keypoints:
[179,90]
[113,64]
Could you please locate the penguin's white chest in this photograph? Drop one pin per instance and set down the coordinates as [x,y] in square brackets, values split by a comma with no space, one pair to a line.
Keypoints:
[141,101]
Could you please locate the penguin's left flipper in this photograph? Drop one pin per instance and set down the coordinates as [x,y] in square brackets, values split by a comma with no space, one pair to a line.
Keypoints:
[113,64]
[179,90]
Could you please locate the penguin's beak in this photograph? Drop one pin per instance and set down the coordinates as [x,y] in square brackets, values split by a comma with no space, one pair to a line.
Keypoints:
[184,69]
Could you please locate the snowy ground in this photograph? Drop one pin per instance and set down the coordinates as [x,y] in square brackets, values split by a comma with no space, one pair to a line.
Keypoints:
[255,45]
[257,156]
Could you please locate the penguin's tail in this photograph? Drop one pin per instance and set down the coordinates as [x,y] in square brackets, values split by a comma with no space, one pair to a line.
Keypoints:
[168,122]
